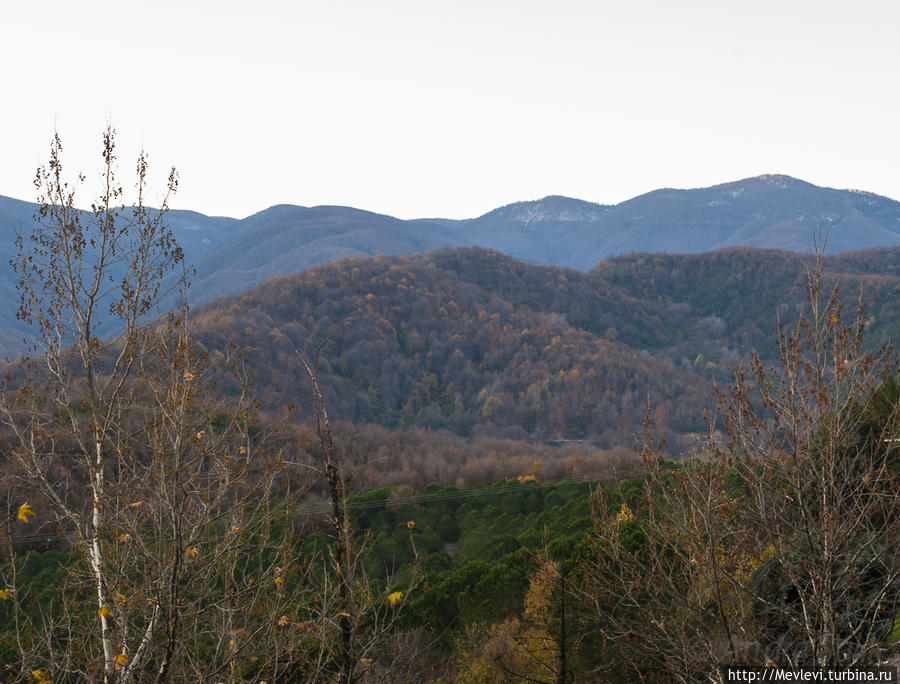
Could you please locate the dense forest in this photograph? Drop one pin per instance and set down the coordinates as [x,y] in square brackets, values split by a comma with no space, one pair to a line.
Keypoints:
[466,340]
[745,290]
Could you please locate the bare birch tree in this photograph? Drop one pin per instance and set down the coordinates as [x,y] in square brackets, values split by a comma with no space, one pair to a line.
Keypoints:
[125,445]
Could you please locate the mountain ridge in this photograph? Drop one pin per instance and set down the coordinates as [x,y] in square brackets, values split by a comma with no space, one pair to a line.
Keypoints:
[768,211]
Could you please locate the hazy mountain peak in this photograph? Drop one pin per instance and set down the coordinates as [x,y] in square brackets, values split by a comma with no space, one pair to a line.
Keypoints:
[549,208]
[777,180]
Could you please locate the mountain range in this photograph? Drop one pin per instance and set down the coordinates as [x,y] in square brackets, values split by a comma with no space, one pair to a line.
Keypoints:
[771,211]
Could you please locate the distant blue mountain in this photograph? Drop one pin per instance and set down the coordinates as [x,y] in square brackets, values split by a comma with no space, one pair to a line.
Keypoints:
[772,211]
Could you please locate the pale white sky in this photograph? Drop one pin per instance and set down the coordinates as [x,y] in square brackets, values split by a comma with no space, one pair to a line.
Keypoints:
[419,108]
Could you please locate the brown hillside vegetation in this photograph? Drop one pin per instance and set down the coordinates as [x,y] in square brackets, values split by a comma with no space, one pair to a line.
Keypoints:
[475,342]
[374,456]
[746,288]
[467,340]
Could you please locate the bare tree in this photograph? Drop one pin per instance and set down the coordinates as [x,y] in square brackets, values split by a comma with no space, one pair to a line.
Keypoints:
[126,446]
[355,633]
[780,541]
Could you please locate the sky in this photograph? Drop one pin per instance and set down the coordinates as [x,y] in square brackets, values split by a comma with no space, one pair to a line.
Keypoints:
[452,108]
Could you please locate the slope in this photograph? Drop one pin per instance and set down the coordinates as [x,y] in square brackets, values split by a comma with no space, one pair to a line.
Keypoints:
[467,340]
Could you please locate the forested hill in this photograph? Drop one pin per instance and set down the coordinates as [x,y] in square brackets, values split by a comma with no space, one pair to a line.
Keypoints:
[473,341]
[743,290]
[468,340]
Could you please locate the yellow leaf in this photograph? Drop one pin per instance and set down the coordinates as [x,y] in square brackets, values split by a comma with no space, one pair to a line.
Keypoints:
[124,537]
[833,318]
[191,551]
[283,621]
[104,611]
[120,598]
[24,511]
[236,529]
[242,450]
[624,514]
[344,613]
[411,524]
[121,659]
[6,594]
[395,598]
